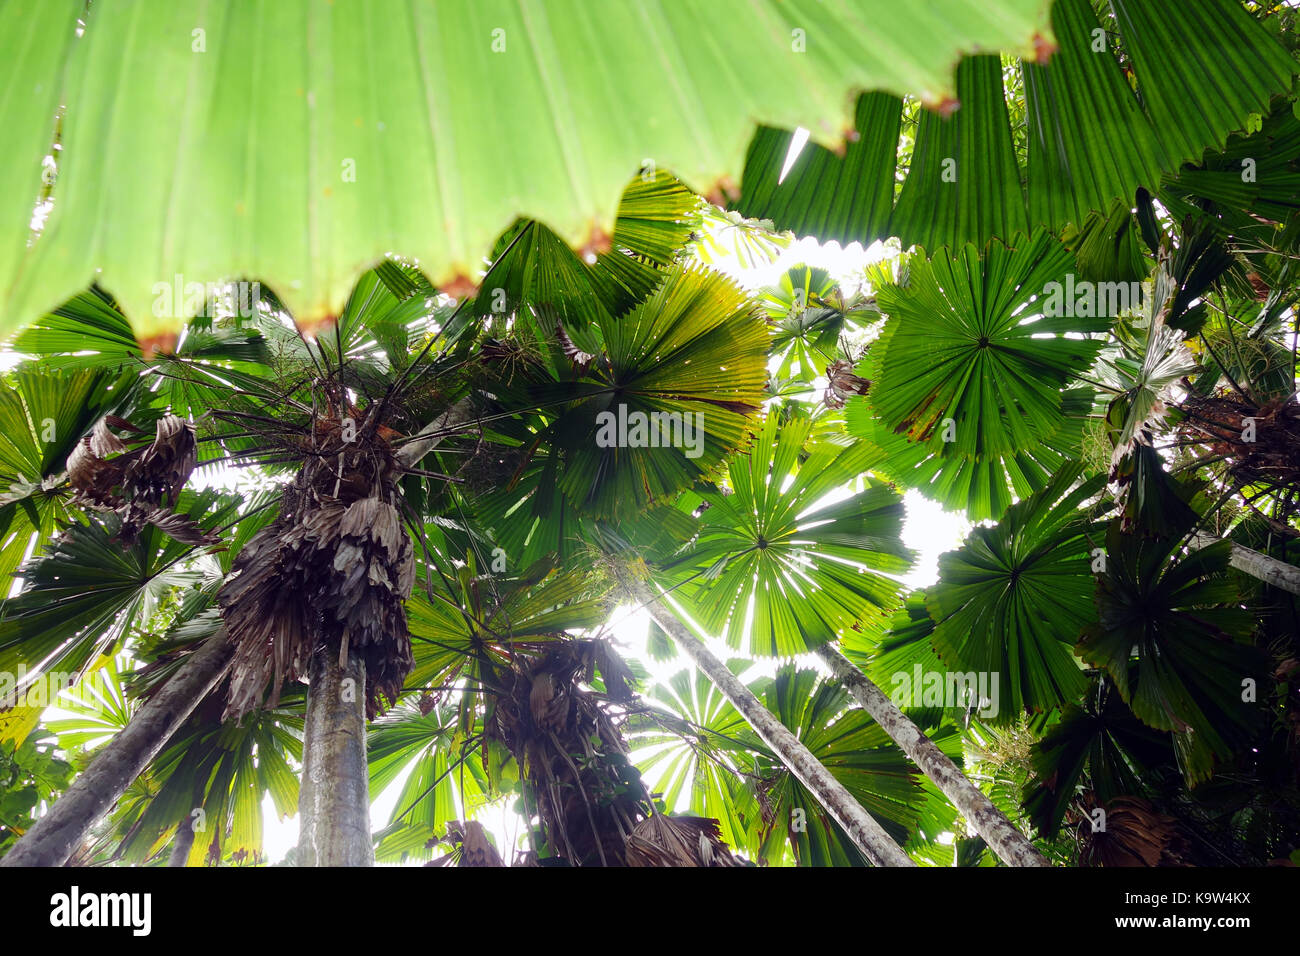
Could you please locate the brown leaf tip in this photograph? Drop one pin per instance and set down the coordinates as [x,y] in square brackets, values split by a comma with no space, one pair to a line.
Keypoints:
[460,287]
[598,243]
[164,342]
[315,327]
[947,106]
[1043,49]
[724,191]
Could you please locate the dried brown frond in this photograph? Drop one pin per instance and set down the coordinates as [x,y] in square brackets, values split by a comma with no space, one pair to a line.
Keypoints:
[678,841]
[1260,442]
[1135,834]
[591,803]
[330,574]
[476,848]
[843,383]
[161,470]
[141,485]
[585,791]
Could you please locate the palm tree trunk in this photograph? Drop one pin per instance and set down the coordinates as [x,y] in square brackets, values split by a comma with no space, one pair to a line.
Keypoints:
[1011,846]
[334,802]
[334,798]
[182,843]
[51,841]
[1271,571]
[867,835]
[423,441]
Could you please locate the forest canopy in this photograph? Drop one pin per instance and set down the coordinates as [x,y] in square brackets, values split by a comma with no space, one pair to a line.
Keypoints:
[663,434]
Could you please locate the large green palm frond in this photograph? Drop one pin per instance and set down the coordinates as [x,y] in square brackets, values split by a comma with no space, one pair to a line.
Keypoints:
[688,742]
[533,267]
[44,412]
[789,555]
[971,367]
[1174,638]
[356,158]
[1012,600]
[964,342]
[447,778]
[668,395]
[225,770]
[1097,746]
[85,593]
[853,748]
[695,351]
[809,315]
[1199,71]
[706,745]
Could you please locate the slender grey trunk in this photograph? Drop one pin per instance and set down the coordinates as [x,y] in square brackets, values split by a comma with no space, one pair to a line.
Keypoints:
[182,843]
[334,801]
[1269,570]
[1010,845]
[334,796]
[51,841]
[423,441]
[866,834]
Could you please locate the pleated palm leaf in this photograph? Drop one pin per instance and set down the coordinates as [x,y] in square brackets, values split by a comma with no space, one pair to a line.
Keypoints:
[200,802]
[1185,80]
[783,559]
[514,703]
[1178,619]
[810,316]
[458,169]
[669,392]
[1014,599]
[44,412]
[86,593]
[971,368]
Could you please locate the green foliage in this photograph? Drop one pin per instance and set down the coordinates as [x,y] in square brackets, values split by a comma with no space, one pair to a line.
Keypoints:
[778,565]
[1136,673]
[716,761]
[1180,620]
[84,594]
[44,412]
[30,774]
[1013,600]
[809,319]
[1098,736]
[1197,75]
[306,170]
[972,375]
